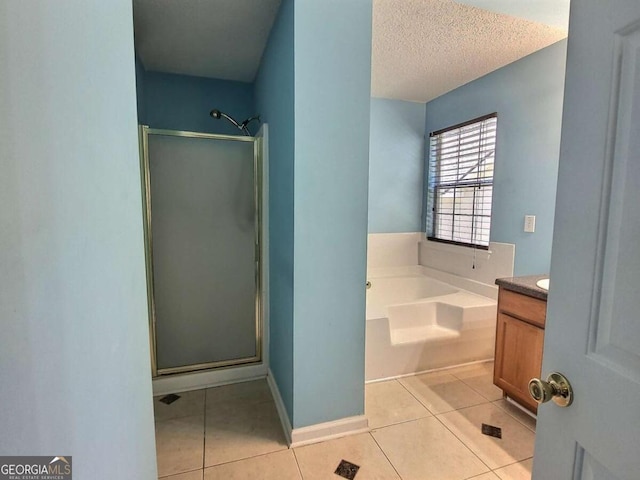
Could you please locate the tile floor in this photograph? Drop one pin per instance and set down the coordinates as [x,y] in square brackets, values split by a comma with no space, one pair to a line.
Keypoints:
[425,427]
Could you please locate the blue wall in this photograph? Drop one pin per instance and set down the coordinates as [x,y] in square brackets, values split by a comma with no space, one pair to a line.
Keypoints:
[307,74]
[73,304]
[274,94]
[317,193]
[183,102]
[332,102]
[396,165]
[140,96]
[528,96]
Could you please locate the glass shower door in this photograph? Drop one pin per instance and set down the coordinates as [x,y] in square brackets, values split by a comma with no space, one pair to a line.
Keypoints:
[203,249]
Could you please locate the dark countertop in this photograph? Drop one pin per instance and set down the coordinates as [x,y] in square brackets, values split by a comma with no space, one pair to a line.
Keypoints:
[525,285]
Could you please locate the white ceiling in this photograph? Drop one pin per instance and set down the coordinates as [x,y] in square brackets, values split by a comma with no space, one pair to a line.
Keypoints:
[205,38]
[421,49]
[425,48]
[554,13]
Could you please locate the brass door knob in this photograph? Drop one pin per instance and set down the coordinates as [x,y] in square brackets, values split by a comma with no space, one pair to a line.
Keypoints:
[556,388]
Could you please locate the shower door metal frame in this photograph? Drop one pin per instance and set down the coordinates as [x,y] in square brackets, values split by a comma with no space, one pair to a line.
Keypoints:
[145,131]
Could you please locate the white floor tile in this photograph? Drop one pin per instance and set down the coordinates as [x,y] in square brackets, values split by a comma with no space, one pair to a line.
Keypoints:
[486,476]
[256,391]
[319,461]
[235,431]
[480,378]
[189,404]
[180,444]
[516,444]
[471,370]
[388,403]
[441,392]
[195,475]
[517,471]
[524,418]
[425,449]
[240,430]
[273,466]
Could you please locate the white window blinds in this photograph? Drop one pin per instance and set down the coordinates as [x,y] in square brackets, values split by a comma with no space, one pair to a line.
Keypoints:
[460,182]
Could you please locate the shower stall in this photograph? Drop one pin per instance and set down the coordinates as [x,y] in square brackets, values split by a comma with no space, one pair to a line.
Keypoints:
[203,235]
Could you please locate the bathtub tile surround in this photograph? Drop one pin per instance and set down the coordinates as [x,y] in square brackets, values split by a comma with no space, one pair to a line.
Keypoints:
[489,264]
[407,442]
[422,318]
[412,249]
[392,249]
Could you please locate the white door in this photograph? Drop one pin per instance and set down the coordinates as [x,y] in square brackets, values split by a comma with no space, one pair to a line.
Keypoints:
[593,322]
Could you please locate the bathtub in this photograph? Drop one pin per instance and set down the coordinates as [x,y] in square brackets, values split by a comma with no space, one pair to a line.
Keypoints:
[417,323]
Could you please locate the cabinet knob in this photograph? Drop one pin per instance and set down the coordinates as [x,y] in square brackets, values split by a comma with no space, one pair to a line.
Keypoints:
[556,388]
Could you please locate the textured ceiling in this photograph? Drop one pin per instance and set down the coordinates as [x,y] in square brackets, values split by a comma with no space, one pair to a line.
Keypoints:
[554,13]
[425,48]
[421,48]
[207,38]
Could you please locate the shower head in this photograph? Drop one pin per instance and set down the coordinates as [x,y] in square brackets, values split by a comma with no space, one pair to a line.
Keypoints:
[217,114]
[249,120]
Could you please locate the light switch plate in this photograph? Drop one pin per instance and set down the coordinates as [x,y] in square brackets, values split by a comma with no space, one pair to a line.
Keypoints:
[529,223]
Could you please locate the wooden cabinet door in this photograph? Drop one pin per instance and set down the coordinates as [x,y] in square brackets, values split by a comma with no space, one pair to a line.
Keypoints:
[518,357]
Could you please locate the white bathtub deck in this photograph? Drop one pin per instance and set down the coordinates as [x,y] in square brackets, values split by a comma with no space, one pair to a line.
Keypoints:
[426,334]
[413,327]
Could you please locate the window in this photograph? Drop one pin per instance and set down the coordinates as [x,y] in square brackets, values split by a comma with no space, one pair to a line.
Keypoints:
[460,182]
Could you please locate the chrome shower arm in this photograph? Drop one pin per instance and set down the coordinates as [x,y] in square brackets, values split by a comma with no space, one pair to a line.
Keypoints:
[241,126]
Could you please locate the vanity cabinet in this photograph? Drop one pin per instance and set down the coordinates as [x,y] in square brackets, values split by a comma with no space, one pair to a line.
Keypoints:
[519,342]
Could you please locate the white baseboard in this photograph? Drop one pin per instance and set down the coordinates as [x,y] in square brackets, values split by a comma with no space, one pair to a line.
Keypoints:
[211,378]
[520,407]
[297,437]
[329,430]
[282,411]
